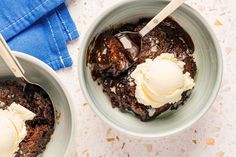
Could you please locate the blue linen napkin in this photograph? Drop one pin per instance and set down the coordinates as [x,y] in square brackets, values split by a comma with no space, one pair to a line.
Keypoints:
[40,28]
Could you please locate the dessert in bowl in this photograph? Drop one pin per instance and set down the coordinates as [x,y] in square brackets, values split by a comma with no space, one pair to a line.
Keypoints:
[34,122]
[27,120]
[159,78]
[178,60]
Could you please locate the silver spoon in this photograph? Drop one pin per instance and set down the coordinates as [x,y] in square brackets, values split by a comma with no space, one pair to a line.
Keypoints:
[14,65]
[132,41]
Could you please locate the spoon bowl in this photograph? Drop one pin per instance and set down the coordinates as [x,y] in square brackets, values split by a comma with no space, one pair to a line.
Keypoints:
[132,43]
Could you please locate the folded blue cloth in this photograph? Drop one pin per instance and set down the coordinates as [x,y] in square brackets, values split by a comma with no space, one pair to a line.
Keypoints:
[40,28]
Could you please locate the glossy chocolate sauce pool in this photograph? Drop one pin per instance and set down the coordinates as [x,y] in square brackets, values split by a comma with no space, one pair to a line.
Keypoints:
[111,65]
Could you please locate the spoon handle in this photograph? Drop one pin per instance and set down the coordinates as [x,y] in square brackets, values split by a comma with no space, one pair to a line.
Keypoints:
[171,7]
[10,59]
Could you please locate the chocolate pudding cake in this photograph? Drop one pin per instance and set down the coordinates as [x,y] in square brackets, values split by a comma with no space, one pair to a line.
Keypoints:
[41,127]
[111,65]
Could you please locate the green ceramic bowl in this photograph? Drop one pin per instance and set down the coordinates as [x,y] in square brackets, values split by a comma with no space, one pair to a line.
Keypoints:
[38,72]
[209,62]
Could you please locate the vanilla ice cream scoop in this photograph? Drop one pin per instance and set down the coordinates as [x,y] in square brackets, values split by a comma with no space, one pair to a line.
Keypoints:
[161,81]
[12,128]
[8,137]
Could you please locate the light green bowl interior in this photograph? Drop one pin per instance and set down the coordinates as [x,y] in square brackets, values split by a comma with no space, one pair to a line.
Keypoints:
[40,73]
[208,58]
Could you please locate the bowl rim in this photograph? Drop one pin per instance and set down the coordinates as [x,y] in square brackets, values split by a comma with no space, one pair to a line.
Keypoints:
[46,68]
[80,73]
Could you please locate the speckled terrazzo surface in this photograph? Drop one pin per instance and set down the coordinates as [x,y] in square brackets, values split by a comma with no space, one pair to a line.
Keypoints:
[213,136]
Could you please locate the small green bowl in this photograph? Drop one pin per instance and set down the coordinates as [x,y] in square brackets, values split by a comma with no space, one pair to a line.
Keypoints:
[207,54]
[62,139]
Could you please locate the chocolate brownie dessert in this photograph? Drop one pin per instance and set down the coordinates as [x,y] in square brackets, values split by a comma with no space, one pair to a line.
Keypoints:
[40,129]
[111,65]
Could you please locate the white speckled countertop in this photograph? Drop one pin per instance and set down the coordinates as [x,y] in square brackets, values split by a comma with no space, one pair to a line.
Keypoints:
[212,136]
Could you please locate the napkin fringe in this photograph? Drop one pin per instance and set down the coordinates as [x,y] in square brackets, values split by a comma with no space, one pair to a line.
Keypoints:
[56,45]
[64,24]
[69,28]
[56,64]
